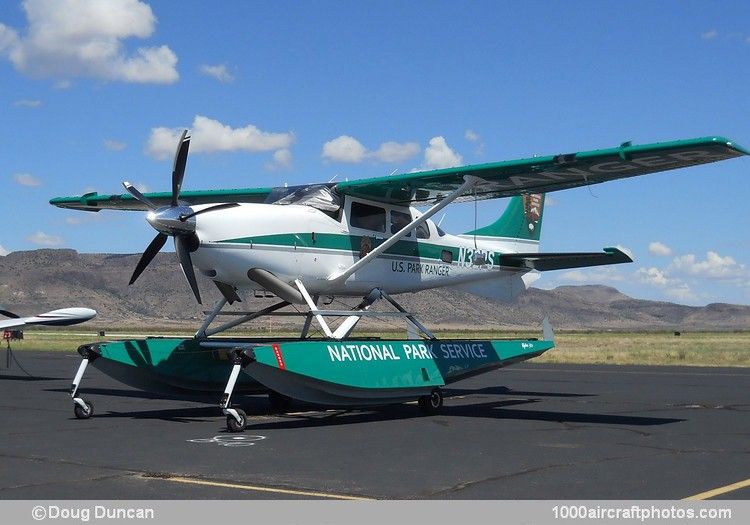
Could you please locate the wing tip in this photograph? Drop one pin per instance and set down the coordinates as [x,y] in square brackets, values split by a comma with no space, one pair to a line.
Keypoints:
[618,253]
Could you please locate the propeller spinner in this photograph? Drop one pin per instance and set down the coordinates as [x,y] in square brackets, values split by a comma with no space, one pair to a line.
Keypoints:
[176,220]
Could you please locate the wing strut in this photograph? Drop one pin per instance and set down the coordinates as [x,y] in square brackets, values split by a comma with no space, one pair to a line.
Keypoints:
[469,182]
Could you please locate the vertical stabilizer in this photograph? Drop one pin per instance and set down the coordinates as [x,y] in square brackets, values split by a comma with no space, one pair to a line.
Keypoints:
[522,219]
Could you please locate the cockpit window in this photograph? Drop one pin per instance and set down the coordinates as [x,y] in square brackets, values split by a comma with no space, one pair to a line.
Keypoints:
[423,231]
[367,217]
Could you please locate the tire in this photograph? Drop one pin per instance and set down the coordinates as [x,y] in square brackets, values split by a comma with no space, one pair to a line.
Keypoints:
[431,404]
[279,402]
[82,413]
[237,426]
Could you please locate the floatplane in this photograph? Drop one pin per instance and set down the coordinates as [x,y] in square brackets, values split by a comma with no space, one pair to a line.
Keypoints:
[363,238]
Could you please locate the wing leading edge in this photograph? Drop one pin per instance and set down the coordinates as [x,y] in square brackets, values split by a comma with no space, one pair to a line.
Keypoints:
[125,201]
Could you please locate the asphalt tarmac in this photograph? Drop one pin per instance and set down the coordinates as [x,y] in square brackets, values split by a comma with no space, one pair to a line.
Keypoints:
[524,432]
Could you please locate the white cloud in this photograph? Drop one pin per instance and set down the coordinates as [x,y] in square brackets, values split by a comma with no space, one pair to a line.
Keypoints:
[594,276]
[473,136]
[282,159]
[3,251]
[44,239]
[682,292]
[219,72]
[27,103]
[550,201]
[627,250]
[115,145]
[439,155]
[396,151]
[713,267]
[710,34]
[8,38]
[653,276]
[671,286]
[26,179]
[74,38]
[344,149]
[210,136]
[658,248]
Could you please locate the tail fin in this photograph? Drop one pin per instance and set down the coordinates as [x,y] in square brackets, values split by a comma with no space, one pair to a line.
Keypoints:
[522,219]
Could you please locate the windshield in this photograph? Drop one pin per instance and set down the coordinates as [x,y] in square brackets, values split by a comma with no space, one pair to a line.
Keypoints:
[317,196]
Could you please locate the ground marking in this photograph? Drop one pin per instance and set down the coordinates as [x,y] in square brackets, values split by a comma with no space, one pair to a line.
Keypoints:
[242,440]
[256,488]
[721,490]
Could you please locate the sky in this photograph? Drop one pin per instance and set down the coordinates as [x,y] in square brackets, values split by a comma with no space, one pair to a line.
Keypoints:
[94,93]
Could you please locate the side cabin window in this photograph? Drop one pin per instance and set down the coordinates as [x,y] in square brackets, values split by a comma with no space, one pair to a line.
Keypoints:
[367,217]
[423,231]
[400,219]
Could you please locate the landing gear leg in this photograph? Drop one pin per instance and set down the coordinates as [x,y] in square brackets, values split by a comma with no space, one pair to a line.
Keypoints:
[236,417]
[82,408]
[431,404]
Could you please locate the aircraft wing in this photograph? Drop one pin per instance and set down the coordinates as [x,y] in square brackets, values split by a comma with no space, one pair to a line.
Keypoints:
[543,174]
[95,202]
[560,261]
[499,179]
[62,317]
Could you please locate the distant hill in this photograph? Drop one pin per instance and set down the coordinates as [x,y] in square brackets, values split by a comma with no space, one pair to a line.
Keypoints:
[33,281]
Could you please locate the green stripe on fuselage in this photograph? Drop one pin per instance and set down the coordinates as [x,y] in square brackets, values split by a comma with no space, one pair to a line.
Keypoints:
[347,243]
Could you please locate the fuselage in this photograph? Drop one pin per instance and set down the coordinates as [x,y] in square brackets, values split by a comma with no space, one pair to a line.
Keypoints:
[302,242]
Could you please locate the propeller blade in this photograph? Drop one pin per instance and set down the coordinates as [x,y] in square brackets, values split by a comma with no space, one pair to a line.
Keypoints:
[187,266]
[185,217]
[178,170]
[140,197]
[149,254]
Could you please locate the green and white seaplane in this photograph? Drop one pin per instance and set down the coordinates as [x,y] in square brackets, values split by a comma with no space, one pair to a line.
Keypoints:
[361,238]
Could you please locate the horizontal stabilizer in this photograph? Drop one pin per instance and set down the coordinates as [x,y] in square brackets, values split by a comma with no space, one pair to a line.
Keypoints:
[560,261]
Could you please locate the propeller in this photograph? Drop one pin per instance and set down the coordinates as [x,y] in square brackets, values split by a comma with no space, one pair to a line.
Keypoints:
[174,220]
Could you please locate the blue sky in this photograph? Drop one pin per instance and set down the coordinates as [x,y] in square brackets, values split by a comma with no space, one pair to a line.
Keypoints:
[300,92]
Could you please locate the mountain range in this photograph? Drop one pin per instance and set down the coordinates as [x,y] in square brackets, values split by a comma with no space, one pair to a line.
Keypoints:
[40,280]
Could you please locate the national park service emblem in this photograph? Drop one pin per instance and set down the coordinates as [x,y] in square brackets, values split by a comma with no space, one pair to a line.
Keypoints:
[532,209]
[365,246]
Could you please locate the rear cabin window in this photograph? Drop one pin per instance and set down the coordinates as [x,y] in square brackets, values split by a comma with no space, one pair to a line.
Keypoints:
[367,217]
[400,219]
[423,231]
